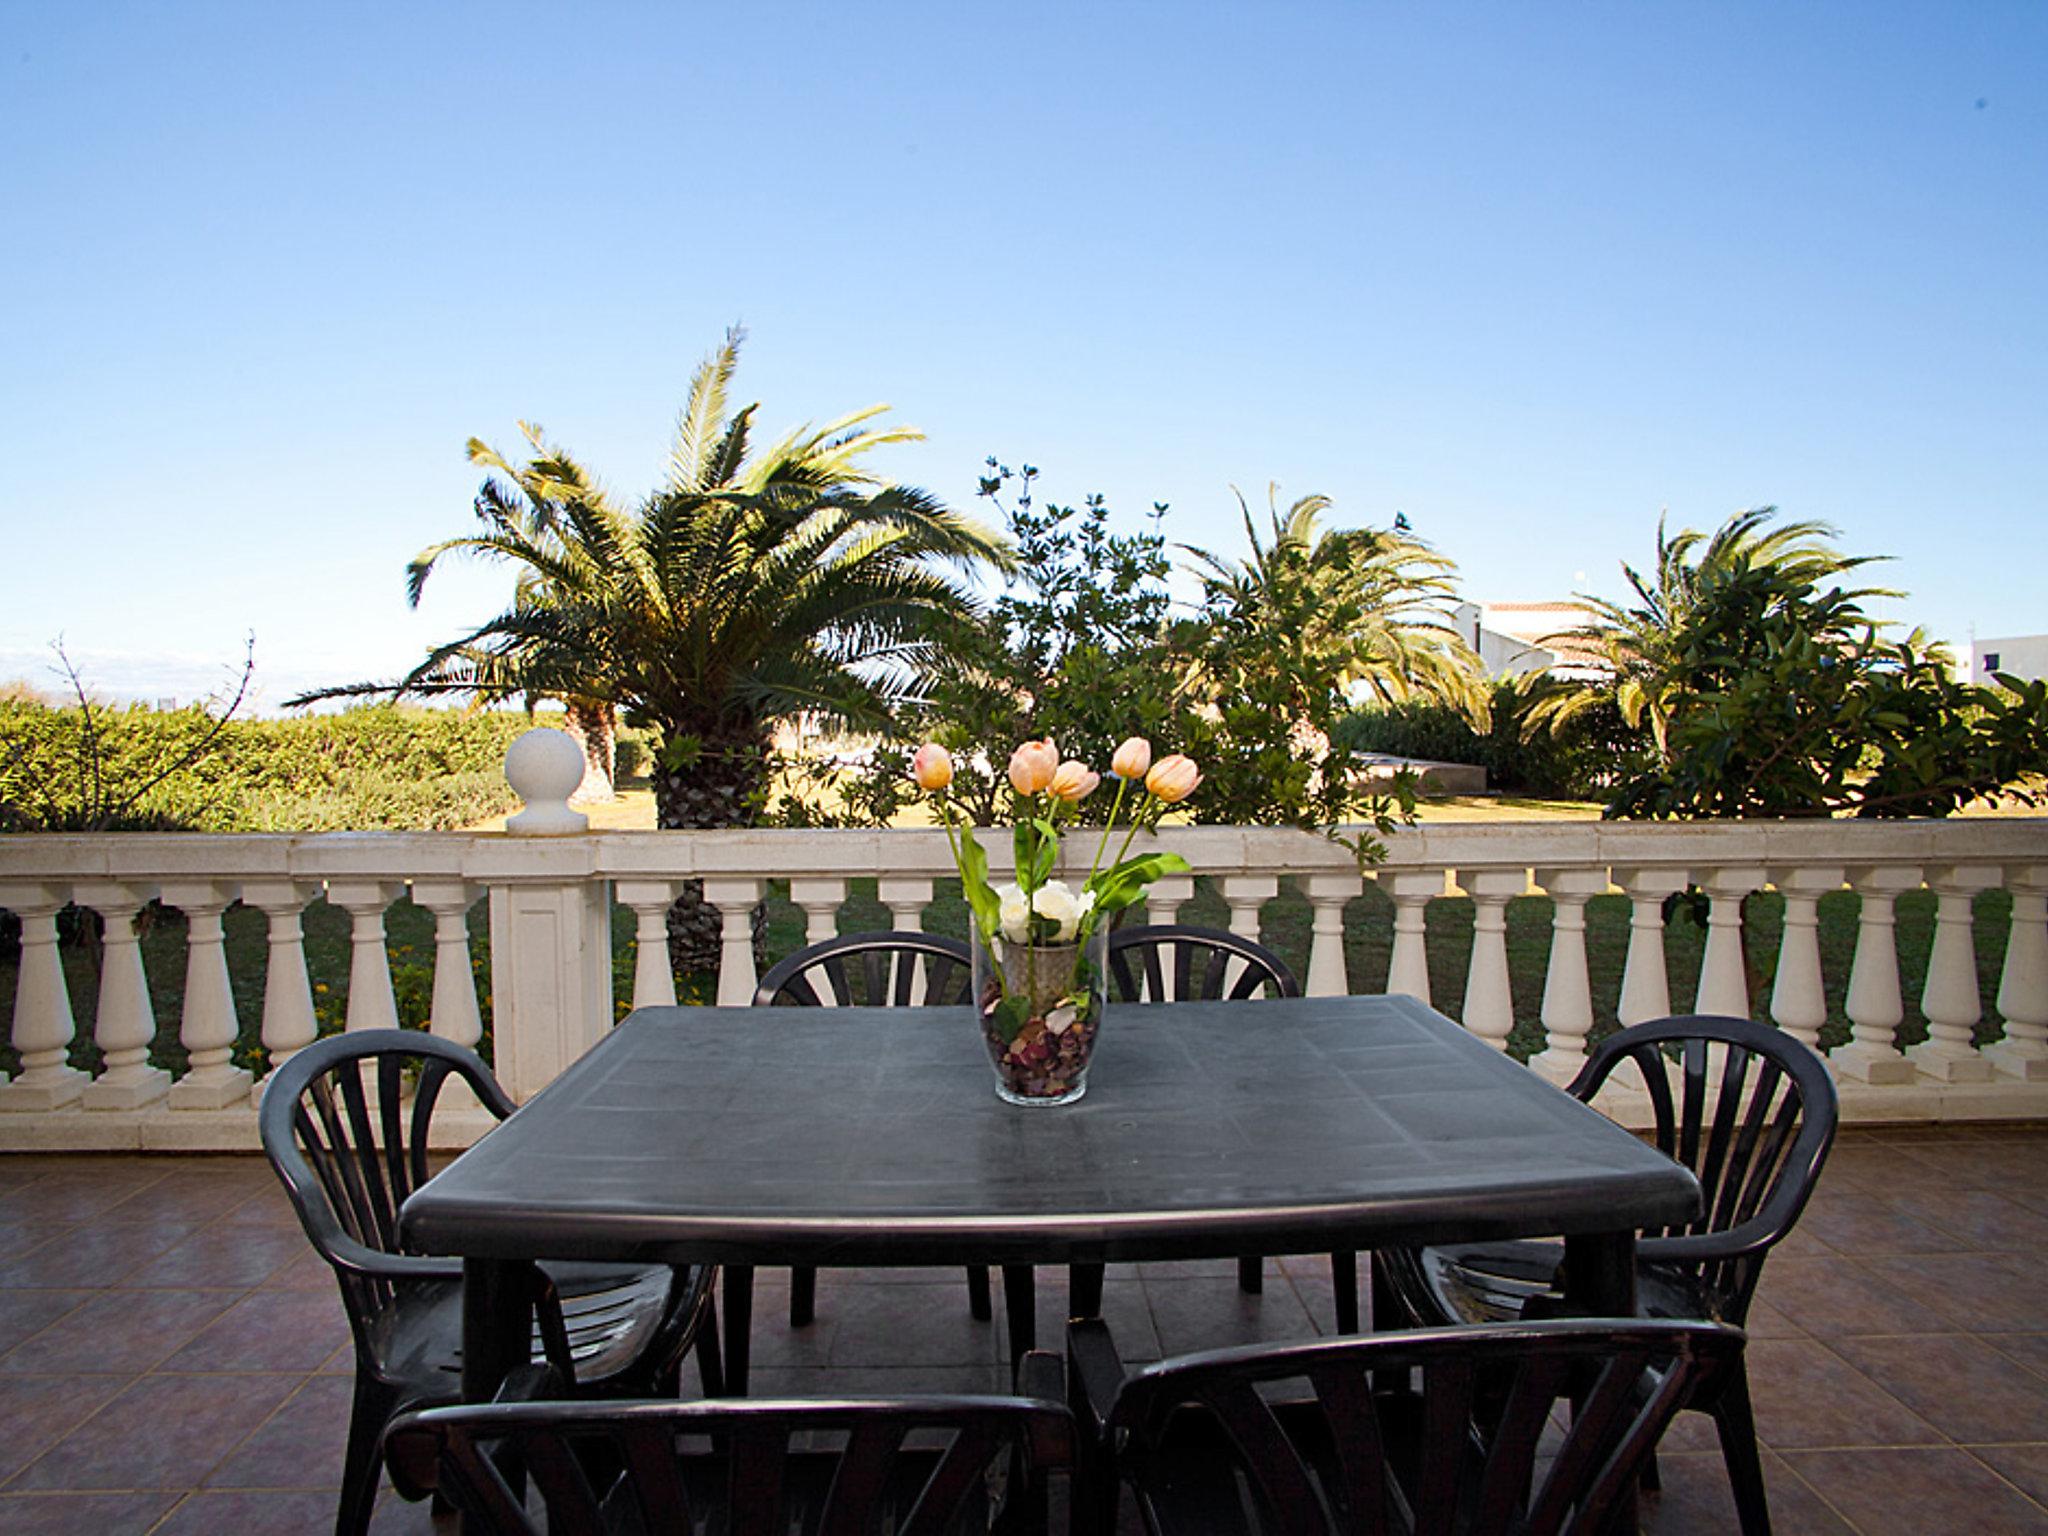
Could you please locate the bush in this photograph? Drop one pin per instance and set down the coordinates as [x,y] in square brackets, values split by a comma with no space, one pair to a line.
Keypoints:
[377,766]
[1594,752]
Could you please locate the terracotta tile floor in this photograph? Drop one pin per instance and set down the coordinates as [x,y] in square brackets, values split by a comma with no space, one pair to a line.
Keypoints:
[173,1360]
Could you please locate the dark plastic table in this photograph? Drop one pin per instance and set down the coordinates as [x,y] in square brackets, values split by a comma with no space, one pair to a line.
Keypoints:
[873,1136]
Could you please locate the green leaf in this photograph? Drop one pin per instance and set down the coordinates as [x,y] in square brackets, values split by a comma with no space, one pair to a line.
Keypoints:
[1117,887]
[974,886]
[1010,1016]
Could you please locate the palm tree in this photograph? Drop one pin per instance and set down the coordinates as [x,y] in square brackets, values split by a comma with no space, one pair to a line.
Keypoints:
[1364,609]
[747,589]
[1646,645]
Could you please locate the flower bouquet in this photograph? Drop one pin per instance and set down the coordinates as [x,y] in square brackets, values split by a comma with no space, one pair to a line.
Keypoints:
[1041,979]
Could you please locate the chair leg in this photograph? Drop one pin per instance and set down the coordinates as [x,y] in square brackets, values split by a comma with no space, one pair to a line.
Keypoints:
[1344,1283]
[739,1326]
[1251,1274]
[710,1357]
[368,1415]
[1652,1479]
[803,1296]
[979,1306]
[1737,1426]
[1084,1290]
[1020,1307]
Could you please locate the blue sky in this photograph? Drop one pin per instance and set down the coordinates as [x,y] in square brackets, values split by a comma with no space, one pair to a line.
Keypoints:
[1529,273]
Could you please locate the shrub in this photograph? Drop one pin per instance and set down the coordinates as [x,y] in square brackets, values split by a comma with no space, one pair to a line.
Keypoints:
[1594,752]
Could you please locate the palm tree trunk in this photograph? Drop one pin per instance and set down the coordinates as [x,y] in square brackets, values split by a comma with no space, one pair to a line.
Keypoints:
[722,784]
[594,725]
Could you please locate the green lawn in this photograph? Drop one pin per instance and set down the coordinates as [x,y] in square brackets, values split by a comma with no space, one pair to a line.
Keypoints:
[1368,927]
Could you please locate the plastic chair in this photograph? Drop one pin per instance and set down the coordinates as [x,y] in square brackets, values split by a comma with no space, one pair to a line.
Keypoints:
[918,1466]
[871,969]
[344,1123]
[1434,1433]
[1753,1118]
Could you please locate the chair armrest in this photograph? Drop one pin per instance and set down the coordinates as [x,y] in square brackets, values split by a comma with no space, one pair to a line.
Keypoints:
[1095,1373]
[352,1258]
[1043,1375]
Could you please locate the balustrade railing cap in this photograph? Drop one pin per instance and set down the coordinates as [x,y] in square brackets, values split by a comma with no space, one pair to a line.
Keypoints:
[544,767]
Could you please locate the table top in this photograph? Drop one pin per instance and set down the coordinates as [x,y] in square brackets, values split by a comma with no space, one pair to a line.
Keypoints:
[874,1136]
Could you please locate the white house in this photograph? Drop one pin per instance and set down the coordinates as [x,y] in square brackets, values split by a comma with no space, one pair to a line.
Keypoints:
[2021,656]
[1520,638]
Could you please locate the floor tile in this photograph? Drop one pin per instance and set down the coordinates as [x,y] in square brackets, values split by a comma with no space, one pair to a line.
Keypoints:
[250,1514]
[2024,1466]
[93,1256]
[76,1514]
[1936,1492]
[1696,1500]
[185,1197]
[162,1432]
[302,1445]
[240,1256]
[264,1331]
[1872,1224]
[1199,1314]
[2030,1349]
[25,1313]
[76,1196]
[118,1332]
[1982,1219]
[38,1411]
[1805,1395]
[910,1325]
[1981,1292]
[1826,1297]
[1959,1384]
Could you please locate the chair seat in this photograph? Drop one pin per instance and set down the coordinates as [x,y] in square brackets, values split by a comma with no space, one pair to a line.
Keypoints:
[1503,1282]
[610,1312]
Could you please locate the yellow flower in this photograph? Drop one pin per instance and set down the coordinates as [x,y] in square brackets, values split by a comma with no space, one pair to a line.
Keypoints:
[1074,781]
[1033,765]
[931,766]
[1132,758]
[1174,778]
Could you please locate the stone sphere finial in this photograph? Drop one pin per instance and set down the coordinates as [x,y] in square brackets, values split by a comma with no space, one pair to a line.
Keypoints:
[544,767]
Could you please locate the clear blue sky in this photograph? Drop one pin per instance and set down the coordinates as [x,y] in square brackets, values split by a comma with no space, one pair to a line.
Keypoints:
[1530,273]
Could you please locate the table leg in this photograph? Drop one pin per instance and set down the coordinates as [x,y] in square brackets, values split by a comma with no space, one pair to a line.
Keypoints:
[1020,1307]
[1600,1281]
[739,1327]
[1344,1288]
[497,1335]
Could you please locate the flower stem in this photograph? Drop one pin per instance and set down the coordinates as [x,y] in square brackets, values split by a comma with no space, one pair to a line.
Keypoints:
[1107,828]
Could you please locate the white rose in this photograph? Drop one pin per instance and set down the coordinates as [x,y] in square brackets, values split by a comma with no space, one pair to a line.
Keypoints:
[1013,914]
[1057,904]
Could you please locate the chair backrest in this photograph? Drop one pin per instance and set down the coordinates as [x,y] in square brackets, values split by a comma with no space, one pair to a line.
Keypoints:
[874,969]
[1312,1438]
[344,1123]
[1152,964]
[916,1466]
[1753,1118]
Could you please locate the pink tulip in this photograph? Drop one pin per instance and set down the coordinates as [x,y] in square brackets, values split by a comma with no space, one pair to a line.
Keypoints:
[1173,778]
[1132,758]
[1033,765]
[932,766]
[1074,781]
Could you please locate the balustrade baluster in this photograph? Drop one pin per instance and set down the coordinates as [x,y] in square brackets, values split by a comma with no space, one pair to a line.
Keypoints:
[1724,986]
[289,1022]
[1164,897]
[126,1025]
[1411,891]
[43,1022]
[1246,896]
[654,978]
[821,901]
[455,1015]
[1489,1002]
[1952,999]
[1874,1005]
[371,1003]
[1328,976]
[1567,988]
[1646,976]
[1799,1001]
[2023,982]
[735,900]
[209,1027]
[906,897]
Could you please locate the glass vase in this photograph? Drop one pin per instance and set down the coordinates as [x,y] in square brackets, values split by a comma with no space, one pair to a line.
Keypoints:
[1039,1008]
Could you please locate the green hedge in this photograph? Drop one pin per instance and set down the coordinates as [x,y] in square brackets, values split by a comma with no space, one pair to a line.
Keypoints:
[377,766]
[1582,764]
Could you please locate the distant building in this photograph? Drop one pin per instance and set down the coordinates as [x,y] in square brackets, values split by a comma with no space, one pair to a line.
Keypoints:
[2021,656]
[1515,639]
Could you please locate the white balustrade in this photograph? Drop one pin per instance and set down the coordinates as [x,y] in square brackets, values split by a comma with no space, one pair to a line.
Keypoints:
[126,1025]
[43,1023]
[551,884]
[209,1029]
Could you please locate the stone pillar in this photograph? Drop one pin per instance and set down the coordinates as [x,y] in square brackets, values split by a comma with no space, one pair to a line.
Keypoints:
[209,1028]
[1567,988]
[1411,891]
[1952,999]
[126,1025]
[1327,895]
[289,1022]
[1799,1001]
[1489,1004]
[43,1021]
[1724,988]
[1874,1004]
[654,980]
[371,1004]
[2023,983]
[821,901]
[1645,977]
[1164,897]
[455,1016]
[735,897]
